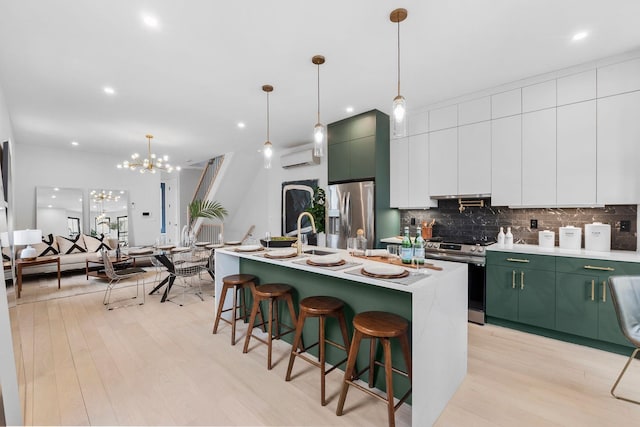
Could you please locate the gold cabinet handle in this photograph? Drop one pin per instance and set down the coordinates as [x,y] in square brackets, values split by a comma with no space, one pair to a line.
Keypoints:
[595,267]
[521,280]
[513,279]
[604,291]
[593,290]
[517,260]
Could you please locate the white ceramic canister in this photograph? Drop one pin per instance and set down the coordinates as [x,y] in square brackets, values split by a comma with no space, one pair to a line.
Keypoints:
[546,239]
[597,237]
[570,237]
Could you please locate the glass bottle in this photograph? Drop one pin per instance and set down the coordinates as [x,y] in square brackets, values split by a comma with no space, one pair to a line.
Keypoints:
[406,251]
[501,236]
[418,247]
[508,238]
[361,242]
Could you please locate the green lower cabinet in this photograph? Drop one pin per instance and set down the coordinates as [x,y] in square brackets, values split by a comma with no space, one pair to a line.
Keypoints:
[608,327]
[576,310]
[521,295]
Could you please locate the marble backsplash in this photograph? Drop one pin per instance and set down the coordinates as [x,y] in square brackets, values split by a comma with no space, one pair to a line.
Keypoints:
[480,222]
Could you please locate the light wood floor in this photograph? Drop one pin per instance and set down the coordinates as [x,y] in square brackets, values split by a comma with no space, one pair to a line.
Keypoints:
[159,364]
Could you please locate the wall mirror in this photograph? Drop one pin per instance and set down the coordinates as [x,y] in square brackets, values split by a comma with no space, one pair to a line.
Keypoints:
[108,213]
[59,211]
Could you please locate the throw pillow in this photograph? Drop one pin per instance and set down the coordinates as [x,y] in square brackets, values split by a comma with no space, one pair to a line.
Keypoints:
[6,254]
[95,243]
[70,245]
[49,246]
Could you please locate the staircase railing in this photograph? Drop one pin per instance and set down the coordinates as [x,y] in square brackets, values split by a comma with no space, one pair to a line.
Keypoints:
[207,178]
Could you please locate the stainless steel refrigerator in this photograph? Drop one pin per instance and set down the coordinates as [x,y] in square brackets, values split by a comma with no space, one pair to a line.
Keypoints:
[351,206]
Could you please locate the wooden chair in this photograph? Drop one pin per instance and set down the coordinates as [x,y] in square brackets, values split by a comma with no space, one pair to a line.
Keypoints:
[381,326]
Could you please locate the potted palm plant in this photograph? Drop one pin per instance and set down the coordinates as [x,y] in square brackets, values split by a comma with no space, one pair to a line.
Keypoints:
[201,209]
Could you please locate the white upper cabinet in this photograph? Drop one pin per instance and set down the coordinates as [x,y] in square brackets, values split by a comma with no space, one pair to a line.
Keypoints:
[577,87]
[506,103]
[474,159]
[409,172]
[539,158]
[419,172]
[417,122]
[443,118]
[399,172]
[539,96]
[506,161]
[619,78]
[443,162]
[618,147]
[474,111]
[576,150]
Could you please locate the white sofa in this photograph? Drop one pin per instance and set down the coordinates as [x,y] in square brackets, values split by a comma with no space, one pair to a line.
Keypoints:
[73,253]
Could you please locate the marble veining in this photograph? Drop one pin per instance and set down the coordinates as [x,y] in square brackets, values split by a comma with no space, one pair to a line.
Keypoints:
[485,222]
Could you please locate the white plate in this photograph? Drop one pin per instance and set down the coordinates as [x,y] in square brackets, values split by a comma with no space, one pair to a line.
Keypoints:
[215,245]
[166,247]
[383,270]
[282,253]
[181,249]
[248,248]
[233,242]
[325,259]
[202,243]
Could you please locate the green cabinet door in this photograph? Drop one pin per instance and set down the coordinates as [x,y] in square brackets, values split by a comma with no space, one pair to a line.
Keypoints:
[339,169]
[362,158]
[577,308]
[536,297]
[501,292]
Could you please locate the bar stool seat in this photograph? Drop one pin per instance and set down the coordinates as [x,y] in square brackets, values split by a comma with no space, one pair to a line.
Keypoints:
[320,307]
[380,326]
[272,292]
[237,282]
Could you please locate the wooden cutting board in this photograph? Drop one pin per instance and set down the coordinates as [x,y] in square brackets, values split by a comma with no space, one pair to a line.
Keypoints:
[396,261]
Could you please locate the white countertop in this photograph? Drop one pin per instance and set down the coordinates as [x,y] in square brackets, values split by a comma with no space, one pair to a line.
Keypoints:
[625,256]
[342,274]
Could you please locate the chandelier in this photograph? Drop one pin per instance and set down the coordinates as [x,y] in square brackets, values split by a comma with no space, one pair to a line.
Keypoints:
[100,197]
[150,163]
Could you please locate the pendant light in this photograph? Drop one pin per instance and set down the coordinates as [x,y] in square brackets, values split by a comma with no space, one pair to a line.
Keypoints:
[267,150]
[319,130]
[399,108]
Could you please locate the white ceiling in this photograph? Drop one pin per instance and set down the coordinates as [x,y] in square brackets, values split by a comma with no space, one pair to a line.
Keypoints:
[191,80]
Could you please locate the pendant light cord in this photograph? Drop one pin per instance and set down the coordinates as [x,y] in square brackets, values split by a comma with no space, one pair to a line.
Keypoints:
[398,58]
[267,116]
[318,93]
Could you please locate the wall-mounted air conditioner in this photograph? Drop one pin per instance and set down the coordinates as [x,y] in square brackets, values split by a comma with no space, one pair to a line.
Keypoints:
[299,158]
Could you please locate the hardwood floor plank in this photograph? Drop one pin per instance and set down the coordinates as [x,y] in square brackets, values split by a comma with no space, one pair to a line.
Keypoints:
[159,364]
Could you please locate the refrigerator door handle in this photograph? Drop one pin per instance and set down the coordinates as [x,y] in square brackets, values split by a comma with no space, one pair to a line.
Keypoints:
[345,214]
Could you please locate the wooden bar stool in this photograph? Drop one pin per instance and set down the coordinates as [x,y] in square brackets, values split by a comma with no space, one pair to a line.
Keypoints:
[382,326]
[320,307]
[237,282]
[273,293]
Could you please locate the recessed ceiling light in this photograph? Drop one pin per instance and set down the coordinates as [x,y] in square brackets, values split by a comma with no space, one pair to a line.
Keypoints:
[56,189]
[53,197]
[349,109]
[150,21]
[49,206]
[579,36]
[74,143]
[109,90]
[241,125]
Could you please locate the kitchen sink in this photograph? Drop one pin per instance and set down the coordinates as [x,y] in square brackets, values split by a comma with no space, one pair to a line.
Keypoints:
[318,252]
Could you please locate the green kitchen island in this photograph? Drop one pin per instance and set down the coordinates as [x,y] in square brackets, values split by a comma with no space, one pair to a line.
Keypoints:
[435,303]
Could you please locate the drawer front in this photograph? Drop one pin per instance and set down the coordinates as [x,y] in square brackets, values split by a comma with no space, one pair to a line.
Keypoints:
[595,266]
[517,260]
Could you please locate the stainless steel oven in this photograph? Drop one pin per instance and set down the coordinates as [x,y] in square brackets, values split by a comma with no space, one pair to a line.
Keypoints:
[473,253]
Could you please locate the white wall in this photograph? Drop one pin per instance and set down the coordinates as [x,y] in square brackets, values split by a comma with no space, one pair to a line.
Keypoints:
[187,181]
[252,194]
[40,165]
[8,378]
[52,220]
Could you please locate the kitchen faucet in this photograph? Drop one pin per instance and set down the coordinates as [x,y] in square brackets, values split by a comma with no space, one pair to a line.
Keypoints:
[313,227]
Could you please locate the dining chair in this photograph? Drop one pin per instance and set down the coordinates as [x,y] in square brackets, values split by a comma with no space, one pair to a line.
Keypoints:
[187,268]
[116,276]
[625,293]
